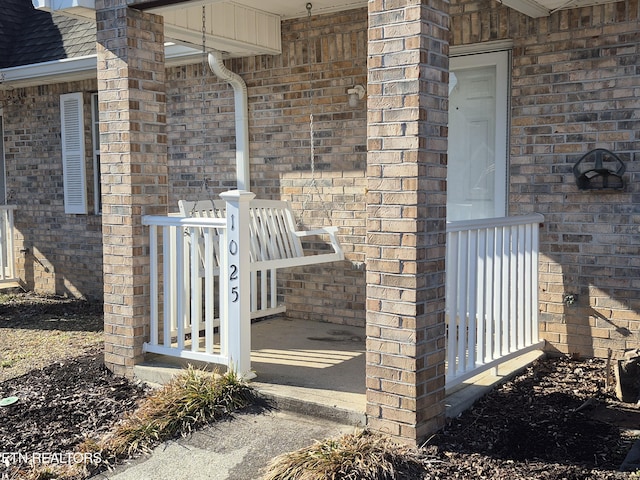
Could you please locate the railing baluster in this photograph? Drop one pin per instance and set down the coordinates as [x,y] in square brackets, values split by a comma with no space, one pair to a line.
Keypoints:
[5,232]
[451,310]
[522,294]
[514,292]
[196,293]
[463,273]
[504,293]
[255,291]
[481,296]
[274,288]
[180,286]
[491,286]
[153,287]
[471,299]
[209,288]
[7,255]
[169,262]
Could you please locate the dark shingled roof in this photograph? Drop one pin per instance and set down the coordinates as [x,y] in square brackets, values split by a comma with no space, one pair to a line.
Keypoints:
[29,36]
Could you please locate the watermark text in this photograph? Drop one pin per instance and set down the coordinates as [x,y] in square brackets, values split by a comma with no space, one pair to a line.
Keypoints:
[9,459]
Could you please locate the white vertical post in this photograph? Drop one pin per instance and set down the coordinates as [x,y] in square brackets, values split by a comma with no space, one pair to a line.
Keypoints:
[236,273]
[153,271]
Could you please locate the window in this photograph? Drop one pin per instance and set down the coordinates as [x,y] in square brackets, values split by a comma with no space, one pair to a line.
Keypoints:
[73,155]
[478,108]
[95,137]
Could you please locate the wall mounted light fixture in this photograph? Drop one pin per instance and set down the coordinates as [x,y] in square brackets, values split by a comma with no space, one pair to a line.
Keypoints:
[356,93]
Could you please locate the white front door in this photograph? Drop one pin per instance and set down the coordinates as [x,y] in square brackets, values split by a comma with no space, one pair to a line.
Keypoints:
[477,168]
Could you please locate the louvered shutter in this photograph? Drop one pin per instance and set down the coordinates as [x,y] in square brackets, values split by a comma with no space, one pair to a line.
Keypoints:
[73,155]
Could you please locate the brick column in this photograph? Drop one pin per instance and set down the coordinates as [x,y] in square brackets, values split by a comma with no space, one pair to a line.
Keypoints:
[133,160]
[406,204]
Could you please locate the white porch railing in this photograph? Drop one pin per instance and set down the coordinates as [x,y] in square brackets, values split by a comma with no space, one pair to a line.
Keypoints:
[7,254]
[491,293]
[198,317]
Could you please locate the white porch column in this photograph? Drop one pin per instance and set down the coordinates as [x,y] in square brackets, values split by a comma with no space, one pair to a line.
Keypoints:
[235,275]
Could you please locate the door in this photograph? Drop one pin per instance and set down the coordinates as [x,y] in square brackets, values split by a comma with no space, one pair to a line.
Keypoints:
[477,169]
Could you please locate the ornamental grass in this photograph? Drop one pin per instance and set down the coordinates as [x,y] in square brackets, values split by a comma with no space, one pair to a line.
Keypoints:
[358,456]
[192,399]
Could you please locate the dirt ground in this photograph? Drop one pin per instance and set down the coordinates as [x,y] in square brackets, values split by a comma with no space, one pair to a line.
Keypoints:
[557,420]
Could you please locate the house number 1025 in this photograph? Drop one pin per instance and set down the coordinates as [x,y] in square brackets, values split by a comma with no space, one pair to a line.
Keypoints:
[233,268]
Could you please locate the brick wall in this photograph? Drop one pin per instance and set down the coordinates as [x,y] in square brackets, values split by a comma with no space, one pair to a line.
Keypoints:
[64,251]
[321,59]
[575,87]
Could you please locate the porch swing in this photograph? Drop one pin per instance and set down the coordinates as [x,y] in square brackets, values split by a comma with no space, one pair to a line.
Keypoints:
[275,241]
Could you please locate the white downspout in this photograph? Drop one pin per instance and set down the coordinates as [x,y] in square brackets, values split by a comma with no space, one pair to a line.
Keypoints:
[242,118]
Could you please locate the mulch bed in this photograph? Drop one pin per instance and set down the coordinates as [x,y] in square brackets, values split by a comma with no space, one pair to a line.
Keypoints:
[61,405]
[557,420]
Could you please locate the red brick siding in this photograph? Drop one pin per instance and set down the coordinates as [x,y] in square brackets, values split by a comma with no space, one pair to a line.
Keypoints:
[320,61]
[64,251]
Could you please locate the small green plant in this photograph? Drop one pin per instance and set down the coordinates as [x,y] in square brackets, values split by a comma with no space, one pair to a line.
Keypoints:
[6,363]
[357,456]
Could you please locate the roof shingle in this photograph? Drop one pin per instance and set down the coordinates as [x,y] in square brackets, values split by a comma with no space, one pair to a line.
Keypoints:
[29,36]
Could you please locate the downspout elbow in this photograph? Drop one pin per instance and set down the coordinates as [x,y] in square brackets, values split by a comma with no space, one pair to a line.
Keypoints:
[241,113]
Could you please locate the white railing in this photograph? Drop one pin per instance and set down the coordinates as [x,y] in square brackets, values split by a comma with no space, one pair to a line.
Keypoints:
[7,254]
[202,317]
[491,293]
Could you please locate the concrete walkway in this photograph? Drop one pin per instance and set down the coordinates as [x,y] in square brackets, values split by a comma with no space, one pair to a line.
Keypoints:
[238,449]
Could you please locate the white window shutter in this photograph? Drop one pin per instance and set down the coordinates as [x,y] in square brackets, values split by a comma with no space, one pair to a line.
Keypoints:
[73,155]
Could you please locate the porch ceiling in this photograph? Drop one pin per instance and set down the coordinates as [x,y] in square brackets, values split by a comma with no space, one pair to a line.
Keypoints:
[284,9]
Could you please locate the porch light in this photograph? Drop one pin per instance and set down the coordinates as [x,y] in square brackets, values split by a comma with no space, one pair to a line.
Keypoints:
[356,93]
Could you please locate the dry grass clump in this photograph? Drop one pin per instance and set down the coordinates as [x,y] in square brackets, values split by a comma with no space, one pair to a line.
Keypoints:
[358,456]
[192,399]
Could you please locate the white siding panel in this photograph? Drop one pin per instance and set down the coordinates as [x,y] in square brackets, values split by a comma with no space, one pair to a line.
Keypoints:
[235,29]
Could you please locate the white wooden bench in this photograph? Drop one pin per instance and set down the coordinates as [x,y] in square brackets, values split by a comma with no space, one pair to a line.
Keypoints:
[275,243]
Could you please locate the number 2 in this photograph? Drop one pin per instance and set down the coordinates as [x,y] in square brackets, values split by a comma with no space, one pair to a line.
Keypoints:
[234,272]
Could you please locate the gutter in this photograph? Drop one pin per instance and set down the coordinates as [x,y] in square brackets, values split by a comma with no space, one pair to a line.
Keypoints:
[242,119]
[80,68]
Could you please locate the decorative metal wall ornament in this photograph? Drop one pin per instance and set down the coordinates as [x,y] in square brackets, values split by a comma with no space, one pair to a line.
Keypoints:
[599,169]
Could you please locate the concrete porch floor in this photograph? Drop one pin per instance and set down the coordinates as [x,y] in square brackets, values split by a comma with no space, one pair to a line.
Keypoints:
[319,369]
